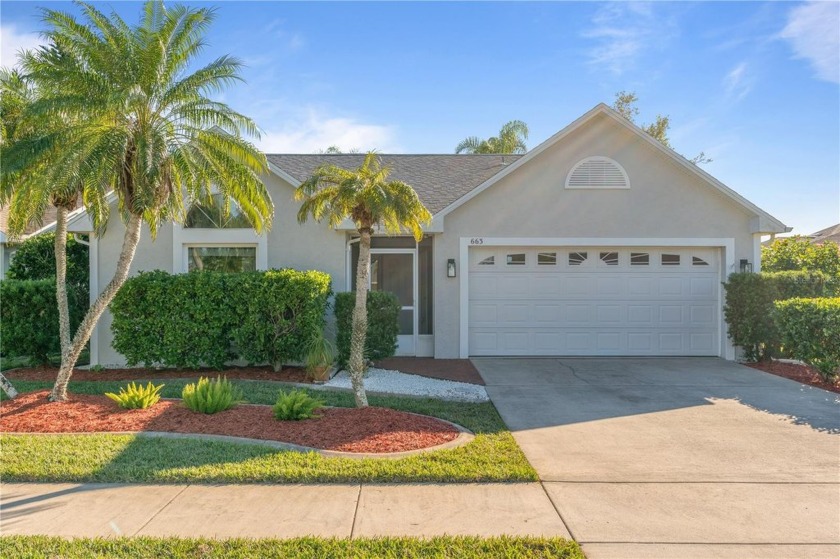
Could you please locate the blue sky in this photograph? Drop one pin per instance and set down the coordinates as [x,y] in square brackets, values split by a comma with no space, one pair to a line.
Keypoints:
[754,85]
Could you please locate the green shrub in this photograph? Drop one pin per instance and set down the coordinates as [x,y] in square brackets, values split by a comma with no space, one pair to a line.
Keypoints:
[810,330]
[137,396]
[799,253]
[211,396]
[320,355]
[211,318]
[749,314]
[34,259]
[383,311]
[749,306]
[29,317]
[295,405]
[279,311]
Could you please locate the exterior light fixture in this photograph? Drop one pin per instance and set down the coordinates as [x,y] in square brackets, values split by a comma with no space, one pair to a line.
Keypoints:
[451,271]
[746,265]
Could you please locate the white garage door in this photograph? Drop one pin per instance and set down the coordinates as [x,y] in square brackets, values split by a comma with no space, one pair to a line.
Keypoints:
[594,301]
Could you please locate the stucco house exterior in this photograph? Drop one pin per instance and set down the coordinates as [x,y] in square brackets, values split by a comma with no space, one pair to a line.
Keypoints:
[599,241]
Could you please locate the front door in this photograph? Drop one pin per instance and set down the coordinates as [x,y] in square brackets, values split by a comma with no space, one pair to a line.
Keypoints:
[395,270]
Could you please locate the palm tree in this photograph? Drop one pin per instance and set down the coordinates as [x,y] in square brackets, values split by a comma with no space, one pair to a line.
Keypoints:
[511,139]
[130,120]
[367,197]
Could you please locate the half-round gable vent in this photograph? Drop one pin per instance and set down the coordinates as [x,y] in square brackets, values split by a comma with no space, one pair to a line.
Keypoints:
[597,172]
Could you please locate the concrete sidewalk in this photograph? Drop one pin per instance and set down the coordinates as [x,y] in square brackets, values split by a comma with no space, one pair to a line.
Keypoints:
[279,511]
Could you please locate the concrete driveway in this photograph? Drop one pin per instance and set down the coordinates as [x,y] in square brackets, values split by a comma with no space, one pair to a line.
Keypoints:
[684,458]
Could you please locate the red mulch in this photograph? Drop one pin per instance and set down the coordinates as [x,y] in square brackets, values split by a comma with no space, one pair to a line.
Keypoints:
[459,370]
[799,373]
[375,430]
[288,374]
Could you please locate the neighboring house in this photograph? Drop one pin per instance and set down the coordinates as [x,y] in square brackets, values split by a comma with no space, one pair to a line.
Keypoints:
[599,241]
[828,234]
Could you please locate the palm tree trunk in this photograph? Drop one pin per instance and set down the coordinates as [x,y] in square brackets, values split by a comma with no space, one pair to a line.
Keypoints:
[359,332]
[61,279]
[85,330]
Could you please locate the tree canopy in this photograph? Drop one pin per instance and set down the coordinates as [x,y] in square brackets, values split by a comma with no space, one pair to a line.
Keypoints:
[511,139]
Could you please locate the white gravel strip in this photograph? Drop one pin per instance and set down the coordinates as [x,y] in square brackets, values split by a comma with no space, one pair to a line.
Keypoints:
[395,382]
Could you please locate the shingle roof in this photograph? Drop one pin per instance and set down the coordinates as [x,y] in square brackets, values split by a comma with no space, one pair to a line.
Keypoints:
[828,234]
[438,179]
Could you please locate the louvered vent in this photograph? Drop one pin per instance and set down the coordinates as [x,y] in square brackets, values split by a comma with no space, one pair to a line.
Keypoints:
[597,172]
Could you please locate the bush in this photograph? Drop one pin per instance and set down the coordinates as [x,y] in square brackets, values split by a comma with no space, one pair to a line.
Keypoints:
[210,318]
[749,306]
[29,315]
[211,396]
[295,405]
[383,311]
[799,253]
[280,311]
[34,259]
[137,396]
[810,330]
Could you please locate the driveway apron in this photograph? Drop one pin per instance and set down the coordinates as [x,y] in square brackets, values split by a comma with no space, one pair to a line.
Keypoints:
[677,457]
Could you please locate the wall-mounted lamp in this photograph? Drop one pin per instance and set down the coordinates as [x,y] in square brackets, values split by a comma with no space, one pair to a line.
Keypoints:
[451,271]
[746,265]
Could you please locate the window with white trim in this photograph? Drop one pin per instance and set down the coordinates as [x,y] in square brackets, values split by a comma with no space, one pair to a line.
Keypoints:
[214,214]
[222,258]
[597,173]
[577,258]
[517,259]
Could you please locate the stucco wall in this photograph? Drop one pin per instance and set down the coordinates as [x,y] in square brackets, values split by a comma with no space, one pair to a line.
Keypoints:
[664,201]
[304,247]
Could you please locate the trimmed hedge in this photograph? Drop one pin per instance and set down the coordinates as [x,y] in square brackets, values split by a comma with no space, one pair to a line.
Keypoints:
[34,259]
[210,318]
[810,330]
[749,306]
[383,310]
[29,315]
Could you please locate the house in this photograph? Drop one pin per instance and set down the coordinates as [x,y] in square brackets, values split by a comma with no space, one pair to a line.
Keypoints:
[831,234]
[8,247]
[599,241]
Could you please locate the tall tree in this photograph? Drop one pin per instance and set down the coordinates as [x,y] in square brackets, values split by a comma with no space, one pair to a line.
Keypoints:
[129,119]
[366,196]
[511,139]
[625,104]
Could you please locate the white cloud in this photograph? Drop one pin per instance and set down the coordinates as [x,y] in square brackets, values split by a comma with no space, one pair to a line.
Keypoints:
[314,131]
[12,40]
[737,83]
[623,31]
[813,31]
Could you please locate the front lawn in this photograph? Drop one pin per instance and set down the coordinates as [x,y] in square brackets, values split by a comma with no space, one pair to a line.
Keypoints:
[492,457]
[20,547]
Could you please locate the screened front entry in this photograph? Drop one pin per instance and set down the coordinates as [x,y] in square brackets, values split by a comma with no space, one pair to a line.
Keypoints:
[400,266]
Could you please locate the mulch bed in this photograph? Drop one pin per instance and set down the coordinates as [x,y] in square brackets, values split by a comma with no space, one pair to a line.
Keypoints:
[374,430]
[794,371]
[459,370]
[287,374]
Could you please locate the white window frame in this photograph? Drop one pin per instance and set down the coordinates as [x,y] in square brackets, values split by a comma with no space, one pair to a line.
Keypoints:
[188,246]
[182,238]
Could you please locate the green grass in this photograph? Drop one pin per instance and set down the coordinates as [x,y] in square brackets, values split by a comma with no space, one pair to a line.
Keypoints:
[492,457]
[20,547]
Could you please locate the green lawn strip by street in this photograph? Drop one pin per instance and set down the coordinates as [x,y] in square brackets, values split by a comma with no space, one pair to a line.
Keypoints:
[492,457]
[25,547]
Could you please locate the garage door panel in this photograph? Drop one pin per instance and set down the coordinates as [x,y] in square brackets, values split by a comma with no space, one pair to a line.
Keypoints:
[594,308]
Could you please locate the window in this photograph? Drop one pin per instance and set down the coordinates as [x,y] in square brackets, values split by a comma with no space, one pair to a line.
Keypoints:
[546,258]
[489,261]
[597,172]
[517,259]
[639,258]
[697,261]
[577,258]
[670,259]
[222,259]
[212,214]
[609,258]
